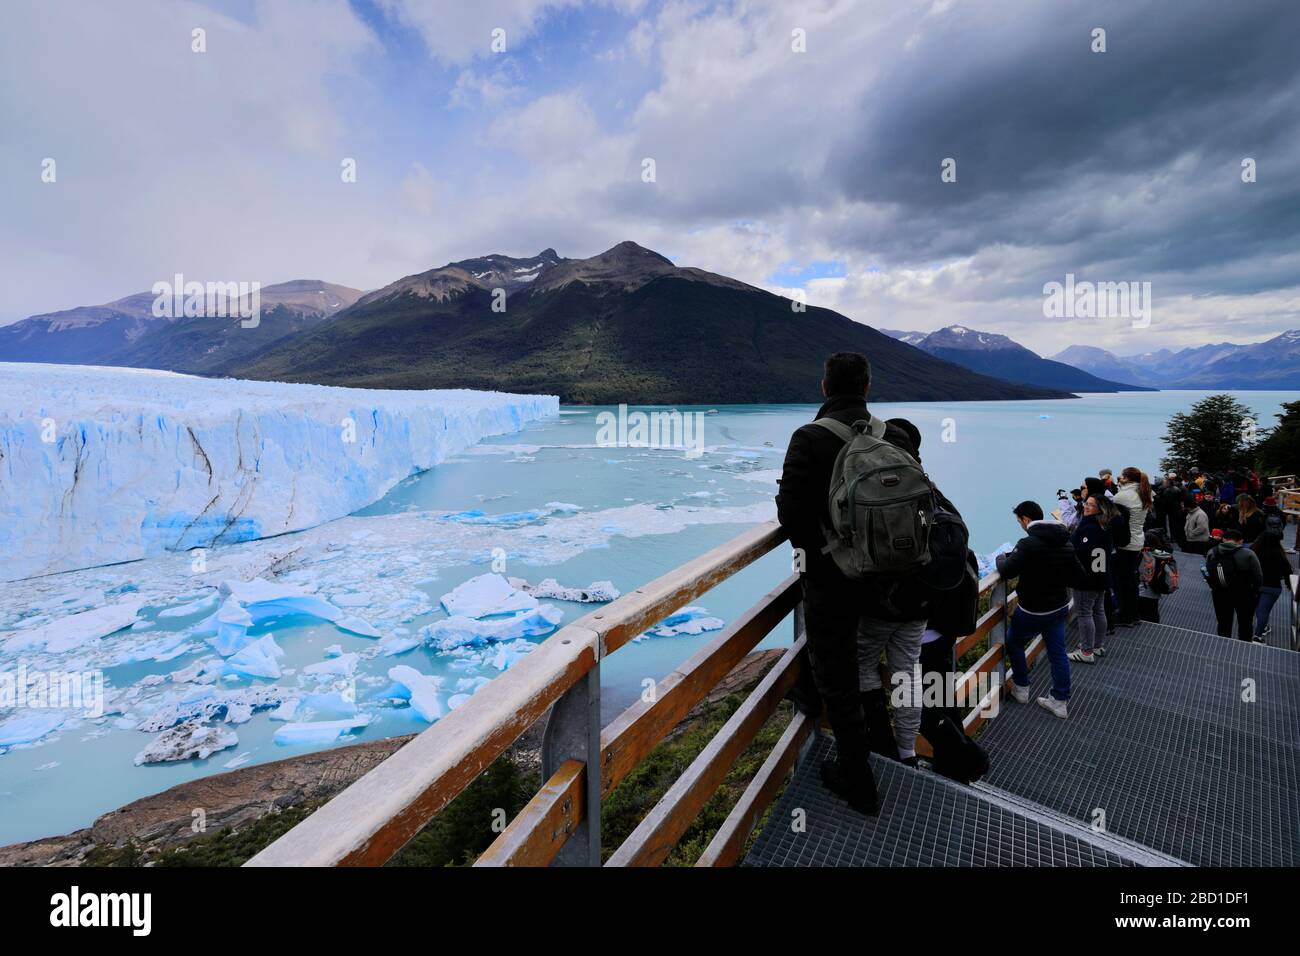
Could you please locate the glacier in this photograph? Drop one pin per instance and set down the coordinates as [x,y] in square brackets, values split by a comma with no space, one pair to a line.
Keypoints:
[105,465]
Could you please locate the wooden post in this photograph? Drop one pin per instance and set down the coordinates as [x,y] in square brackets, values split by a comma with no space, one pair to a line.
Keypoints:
[573,733]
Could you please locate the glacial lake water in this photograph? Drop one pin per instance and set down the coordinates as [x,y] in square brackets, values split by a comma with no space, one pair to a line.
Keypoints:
[642,512]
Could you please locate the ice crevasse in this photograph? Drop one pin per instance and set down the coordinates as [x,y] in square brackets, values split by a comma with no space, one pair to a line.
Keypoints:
[101,465]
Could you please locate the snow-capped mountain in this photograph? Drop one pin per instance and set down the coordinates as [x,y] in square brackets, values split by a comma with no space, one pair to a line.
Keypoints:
[997,355]
[127,333]
[1272,364]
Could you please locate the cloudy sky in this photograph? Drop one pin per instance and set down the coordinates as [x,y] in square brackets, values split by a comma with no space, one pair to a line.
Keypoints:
[815,169]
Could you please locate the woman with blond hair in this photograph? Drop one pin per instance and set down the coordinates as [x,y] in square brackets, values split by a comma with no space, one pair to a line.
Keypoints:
[1134,496]
[1250,519]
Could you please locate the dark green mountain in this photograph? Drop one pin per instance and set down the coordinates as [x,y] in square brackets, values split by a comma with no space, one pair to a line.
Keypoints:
[623,326]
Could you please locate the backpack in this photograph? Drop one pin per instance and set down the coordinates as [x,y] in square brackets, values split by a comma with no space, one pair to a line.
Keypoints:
[882,505]
[1273,522]
[1219,574]
[1165,580]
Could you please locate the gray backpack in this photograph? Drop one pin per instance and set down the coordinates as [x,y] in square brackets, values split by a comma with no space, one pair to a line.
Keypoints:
[881,503]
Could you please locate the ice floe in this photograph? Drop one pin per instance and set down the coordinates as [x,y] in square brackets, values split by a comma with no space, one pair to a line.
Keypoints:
[190,740]
[319,731]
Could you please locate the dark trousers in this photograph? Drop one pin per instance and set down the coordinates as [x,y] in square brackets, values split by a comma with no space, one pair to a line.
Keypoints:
[1126,583]
[1149,609]
[1228,605]
[831,619]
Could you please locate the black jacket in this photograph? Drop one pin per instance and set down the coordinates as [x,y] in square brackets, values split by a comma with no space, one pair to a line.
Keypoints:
[1047,566]
[802,507]
[1087,539]
[802,503]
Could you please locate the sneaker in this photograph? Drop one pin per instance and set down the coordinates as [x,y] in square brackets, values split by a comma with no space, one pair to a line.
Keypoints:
[861,795]
[1083,657]
[1099,652]
[1021,694]
[1268,629]
[1057,707]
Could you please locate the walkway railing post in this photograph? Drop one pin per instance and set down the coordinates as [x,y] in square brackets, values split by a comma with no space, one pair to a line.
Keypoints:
[998,633]
[573,733]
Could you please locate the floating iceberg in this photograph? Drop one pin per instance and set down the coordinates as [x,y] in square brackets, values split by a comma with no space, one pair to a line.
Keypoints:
[421,689]
[210,703]
[188,741]
[249,603]
[454,632]
[258,659]
[74,630]
[319,731]
[145,461]
[30,727]
[484,596]
[344,665]
[594,593]
[689,620]
[988,563]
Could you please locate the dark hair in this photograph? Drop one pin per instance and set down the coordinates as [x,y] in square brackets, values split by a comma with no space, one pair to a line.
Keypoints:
[847,373]
[913,433]
[1028,509]
[1232,534]
[1269,542]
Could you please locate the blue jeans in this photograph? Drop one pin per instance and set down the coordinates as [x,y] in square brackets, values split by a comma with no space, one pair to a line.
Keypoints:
[1267,598]
[1024,628]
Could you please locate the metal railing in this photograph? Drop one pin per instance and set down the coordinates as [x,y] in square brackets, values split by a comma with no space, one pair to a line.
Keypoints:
[582,762]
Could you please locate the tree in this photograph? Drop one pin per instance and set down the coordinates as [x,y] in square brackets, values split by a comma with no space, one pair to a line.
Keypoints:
[1279,453]
[1218,433]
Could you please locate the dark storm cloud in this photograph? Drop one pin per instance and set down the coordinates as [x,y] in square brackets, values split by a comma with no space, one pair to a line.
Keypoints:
[1048,135]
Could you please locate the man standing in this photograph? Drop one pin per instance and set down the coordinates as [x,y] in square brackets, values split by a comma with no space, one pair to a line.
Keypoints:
[1196,528]
[1045,562]
[835,606]
[1235,578]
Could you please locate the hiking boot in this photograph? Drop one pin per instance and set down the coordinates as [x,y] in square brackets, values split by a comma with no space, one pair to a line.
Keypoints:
[1083,657]
[856,789]
[1057,707]
[1021,694]
[880,732]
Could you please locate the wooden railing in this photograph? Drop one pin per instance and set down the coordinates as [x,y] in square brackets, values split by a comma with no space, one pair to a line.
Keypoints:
[581,761]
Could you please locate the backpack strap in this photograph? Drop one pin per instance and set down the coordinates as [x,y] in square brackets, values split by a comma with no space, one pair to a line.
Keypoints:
[874,427]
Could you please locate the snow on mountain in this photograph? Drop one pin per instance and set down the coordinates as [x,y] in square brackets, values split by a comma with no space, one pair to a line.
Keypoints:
[103,465]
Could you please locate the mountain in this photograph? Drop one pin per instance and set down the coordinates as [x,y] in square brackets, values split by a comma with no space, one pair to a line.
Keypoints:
[127,333]
[996,355]
[1103,364]
[1273,364]
[624,326]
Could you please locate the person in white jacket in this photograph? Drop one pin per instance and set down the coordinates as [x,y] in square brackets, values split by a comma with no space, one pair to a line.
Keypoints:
[1135,495]
[1196,528]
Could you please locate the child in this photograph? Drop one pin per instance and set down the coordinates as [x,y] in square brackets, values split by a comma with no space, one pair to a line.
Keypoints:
[1157,576]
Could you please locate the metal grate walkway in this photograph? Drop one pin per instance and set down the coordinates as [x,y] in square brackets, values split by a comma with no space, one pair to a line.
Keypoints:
[1181,747]
[925,821]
